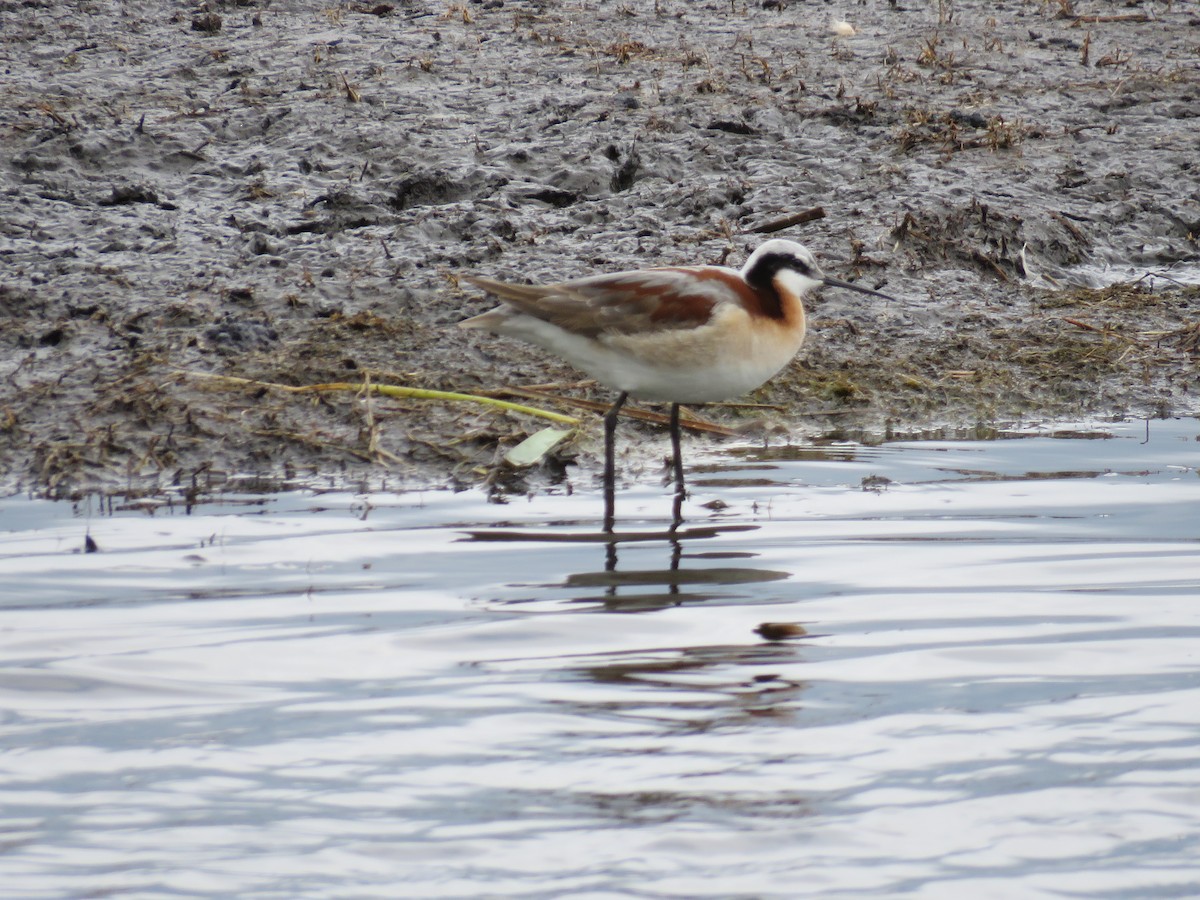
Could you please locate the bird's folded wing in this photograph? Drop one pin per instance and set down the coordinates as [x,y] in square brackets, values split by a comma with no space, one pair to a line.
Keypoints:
[625,303]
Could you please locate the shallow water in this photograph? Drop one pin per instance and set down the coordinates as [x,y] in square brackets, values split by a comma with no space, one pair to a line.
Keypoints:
[320,694]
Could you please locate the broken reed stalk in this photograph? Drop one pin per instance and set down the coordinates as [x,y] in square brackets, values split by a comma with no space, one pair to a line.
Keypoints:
[397,391]
[808,215]
[389,390]
[1131,17]
[1103,332]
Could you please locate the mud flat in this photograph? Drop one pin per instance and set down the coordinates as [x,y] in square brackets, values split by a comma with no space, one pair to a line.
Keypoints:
[286,191]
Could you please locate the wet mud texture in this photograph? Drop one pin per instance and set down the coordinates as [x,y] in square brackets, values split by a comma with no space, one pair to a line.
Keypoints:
[285,191]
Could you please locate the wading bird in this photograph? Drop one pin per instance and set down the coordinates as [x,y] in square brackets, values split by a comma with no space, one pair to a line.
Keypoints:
[675,334]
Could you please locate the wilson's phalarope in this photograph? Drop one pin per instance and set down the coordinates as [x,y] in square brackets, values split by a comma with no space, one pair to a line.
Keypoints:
[676,334]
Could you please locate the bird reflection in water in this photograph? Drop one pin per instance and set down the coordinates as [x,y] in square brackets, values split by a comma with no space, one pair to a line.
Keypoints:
[711,685]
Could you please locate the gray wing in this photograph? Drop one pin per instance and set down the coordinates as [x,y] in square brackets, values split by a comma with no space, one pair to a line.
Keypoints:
[625,303]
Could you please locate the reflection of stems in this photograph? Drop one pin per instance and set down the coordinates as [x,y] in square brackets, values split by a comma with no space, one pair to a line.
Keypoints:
[676,556]
[610,565]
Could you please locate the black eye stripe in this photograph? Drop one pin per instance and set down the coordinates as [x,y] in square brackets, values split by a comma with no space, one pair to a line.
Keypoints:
[771,264]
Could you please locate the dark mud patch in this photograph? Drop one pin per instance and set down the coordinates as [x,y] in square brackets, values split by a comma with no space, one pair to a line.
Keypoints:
[289,197]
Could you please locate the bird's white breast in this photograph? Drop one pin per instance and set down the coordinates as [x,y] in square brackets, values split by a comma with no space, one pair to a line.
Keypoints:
[727,357]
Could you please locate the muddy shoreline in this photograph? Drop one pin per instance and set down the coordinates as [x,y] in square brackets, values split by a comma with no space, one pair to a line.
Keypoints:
[288,196]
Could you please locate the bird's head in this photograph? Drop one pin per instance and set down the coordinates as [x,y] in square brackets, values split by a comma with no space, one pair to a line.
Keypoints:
[795,267]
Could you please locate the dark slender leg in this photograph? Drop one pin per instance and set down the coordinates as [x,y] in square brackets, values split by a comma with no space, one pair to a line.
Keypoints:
[610,463]
[677,464]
